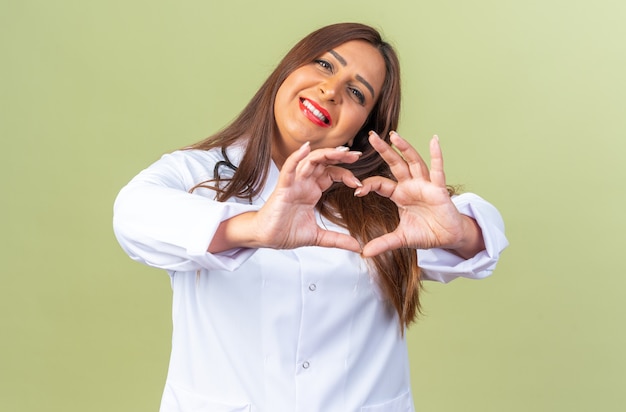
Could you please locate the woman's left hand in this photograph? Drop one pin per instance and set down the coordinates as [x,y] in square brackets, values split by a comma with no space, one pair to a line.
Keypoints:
[428,218]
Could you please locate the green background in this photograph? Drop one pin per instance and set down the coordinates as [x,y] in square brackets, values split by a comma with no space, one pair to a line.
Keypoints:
[528,98]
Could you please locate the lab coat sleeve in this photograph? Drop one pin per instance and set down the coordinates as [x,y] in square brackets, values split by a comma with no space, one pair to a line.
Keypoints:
[443,266]
[158,222]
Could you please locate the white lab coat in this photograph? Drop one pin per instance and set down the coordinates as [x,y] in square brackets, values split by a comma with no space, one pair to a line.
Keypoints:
[273,330]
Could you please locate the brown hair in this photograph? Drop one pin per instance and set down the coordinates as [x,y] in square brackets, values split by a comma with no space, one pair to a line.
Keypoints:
[366,218]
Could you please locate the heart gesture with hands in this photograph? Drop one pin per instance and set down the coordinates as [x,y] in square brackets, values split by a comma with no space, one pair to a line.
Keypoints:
[428,218]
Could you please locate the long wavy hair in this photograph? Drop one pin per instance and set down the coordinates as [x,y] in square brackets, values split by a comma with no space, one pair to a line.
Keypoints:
[365,218]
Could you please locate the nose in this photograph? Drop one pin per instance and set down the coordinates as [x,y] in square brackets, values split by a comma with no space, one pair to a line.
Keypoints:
[328,91]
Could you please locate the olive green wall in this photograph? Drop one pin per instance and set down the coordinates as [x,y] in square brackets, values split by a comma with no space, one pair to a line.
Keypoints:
[528,98]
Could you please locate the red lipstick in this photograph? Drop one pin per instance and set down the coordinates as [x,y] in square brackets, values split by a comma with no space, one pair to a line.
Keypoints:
[315,113]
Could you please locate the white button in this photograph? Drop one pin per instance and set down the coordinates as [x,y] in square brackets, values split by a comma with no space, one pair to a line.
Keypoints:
[306,365]
[312,287]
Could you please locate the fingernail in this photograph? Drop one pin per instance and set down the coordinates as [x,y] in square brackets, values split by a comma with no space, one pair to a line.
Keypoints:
[342,148]
[357,192]
[358,183]
[305,145]
[436,137]
[356,152]
[373,133]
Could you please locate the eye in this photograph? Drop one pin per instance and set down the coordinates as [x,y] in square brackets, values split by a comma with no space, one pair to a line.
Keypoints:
[324,64]
[356,93]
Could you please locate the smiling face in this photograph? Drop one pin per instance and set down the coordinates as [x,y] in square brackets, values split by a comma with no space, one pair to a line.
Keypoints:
[327,101]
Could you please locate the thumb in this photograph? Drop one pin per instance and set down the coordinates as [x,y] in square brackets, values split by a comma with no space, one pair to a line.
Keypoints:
[330,239]
[381,244]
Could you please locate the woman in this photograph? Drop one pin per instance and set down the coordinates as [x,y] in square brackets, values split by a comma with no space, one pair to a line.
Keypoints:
[293,282]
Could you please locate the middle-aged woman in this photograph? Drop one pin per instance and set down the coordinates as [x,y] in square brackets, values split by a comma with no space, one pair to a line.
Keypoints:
[296,239]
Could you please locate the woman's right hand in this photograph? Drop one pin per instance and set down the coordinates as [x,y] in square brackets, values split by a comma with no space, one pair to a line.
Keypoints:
[288,219]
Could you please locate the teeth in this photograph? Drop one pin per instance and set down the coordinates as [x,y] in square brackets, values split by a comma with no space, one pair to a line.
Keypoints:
[313,110]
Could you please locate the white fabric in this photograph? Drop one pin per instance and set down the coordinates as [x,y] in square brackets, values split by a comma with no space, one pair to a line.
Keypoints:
[273,330]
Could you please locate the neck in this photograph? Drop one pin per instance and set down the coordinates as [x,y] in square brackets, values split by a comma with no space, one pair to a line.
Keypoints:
[280,153]
[278,158]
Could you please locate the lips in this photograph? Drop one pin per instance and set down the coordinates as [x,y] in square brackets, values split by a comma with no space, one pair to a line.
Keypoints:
[315,112]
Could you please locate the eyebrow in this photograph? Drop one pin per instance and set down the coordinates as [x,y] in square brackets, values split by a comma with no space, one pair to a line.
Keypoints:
[343,62]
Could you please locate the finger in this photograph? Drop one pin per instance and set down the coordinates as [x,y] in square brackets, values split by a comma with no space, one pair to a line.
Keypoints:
[330,239]
[396,163]
[417,165]
[288,171]
[375,247]
[437,175]
[339,174]
[316,162]
[381,185]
